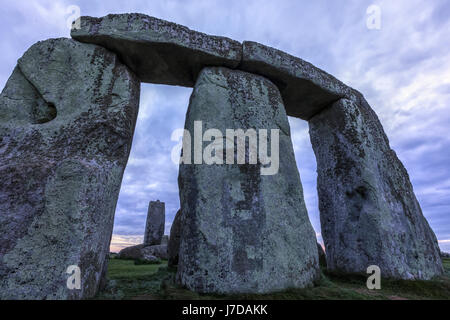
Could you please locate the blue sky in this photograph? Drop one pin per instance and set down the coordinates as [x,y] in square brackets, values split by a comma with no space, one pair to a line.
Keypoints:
[403,69]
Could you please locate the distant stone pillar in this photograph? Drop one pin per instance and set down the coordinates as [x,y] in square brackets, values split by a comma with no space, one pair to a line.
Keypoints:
[154,228]
[242,231]
[368,210]
[67,117]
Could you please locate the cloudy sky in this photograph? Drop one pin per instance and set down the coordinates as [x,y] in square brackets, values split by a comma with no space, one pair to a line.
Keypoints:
[402,68]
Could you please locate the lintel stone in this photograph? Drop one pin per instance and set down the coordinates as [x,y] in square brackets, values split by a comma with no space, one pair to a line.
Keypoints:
[159,51]
[305,89]
[163,52]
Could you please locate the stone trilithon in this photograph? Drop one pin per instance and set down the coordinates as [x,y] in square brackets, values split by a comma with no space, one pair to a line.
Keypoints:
[67,117]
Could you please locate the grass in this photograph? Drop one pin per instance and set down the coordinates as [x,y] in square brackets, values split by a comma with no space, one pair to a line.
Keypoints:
[126,269]
[130,281]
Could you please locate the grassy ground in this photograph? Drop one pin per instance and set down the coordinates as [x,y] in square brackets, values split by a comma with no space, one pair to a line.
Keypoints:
[130,281]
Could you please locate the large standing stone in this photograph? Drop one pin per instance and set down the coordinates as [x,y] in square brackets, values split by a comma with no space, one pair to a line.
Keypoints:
[67,116]
[368,210]
[243,231]
[156,219]
[174,240]
[159,51]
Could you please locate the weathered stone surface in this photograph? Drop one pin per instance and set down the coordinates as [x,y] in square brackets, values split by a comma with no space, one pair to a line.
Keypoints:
[243,231]
[305,89]
[156,219]
[142,251]
[133,252]
[103,276]
[368,210]
[159,251]
[67,116]
[159,51]
[174,240]
[322,256]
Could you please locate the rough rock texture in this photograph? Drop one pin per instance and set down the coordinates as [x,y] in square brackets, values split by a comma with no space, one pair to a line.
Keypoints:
[322,256]
[243,231]
[156,219]
[305,89]
[103,276]
[133,252]
[67,116]
[369,213]
[174,240]
[159,51]
[142,251]
[159,251]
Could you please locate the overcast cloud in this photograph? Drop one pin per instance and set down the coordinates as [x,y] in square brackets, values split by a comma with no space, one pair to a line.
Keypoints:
[403,70]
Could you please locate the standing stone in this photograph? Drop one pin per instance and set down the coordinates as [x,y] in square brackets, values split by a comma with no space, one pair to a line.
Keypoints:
[67,116]
[243,232]
[368,210]
[174,240]
[154,228]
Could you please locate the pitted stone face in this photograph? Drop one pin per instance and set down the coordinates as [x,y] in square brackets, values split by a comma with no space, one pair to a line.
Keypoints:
[67,116]
[243,231]
[154,227]
[368,211]
[159,51]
